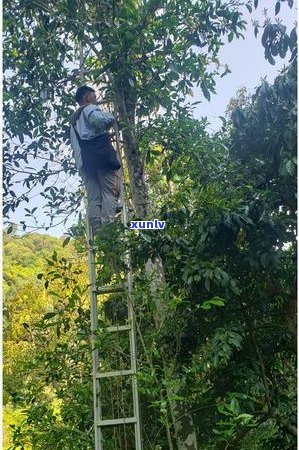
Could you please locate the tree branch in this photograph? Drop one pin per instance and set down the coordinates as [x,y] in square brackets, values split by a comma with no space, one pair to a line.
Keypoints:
[264,378]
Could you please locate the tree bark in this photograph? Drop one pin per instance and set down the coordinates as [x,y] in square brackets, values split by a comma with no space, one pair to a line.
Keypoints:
[182,421]
[135,167]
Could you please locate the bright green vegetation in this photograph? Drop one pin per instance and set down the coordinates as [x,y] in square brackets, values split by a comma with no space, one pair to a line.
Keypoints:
[26,301]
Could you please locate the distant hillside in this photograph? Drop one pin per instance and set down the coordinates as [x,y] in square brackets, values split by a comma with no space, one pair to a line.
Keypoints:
[25,300]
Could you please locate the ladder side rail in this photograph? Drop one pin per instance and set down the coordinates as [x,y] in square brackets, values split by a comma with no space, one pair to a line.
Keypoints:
[94,324]
[133,348]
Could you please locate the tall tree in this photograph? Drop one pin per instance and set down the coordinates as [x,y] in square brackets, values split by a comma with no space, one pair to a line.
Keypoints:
[146,57]
[153,51]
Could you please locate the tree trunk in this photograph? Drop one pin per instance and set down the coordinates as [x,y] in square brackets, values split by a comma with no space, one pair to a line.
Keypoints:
[135,168]
[183,425]
[291,316]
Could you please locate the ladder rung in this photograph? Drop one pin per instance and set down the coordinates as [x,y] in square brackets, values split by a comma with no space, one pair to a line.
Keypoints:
[116,328]
[111,422]
[115,373]
[114,288]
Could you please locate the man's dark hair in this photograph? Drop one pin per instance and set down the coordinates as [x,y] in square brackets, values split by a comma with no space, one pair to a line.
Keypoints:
[81,91]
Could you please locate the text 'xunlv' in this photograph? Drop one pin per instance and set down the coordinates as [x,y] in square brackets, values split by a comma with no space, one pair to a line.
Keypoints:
[148,224]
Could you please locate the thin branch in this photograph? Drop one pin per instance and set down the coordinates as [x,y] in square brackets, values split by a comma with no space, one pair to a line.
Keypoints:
[282,421]
[56,172]
[264,378]
[93,47]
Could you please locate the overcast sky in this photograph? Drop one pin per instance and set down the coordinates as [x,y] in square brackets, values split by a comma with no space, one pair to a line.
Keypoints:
[246,61]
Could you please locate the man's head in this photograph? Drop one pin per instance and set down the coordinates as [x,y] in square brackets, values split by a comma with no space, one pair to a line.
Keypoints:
[85,95]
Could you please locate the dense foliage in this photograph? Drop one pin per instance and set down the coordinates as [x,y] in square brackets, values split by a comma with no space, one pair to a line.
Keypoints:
[228,254]
[228,336]
[26,301]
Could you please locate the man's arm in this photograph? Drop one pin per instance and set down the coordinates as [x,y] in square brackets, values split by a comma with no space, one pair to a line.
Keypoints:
[76,148]
[98,118]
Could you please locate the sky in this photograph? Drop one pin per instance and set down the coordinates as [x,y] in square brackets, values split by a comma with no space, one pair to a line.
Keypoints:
[248,66]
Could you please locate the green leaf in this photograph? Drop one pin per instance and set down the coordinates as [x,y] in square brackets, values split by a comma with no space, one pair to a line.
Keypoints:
[234,406]
[6,209]
[245,416]
[217,301]
[50,263]
[66,241]
[206,305]
[146,237]
[277,8]
[271,60]
[9,229]
[205,91]
[49,315]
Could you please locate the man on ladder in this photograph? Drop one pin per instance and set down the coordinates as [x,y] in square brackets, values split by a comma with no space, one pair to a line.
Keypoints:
[95,157]
[98,165]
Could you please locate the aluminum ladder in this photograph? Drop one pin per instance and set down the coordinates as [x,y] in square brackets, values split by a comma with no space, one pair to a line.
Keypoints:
[95,292]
